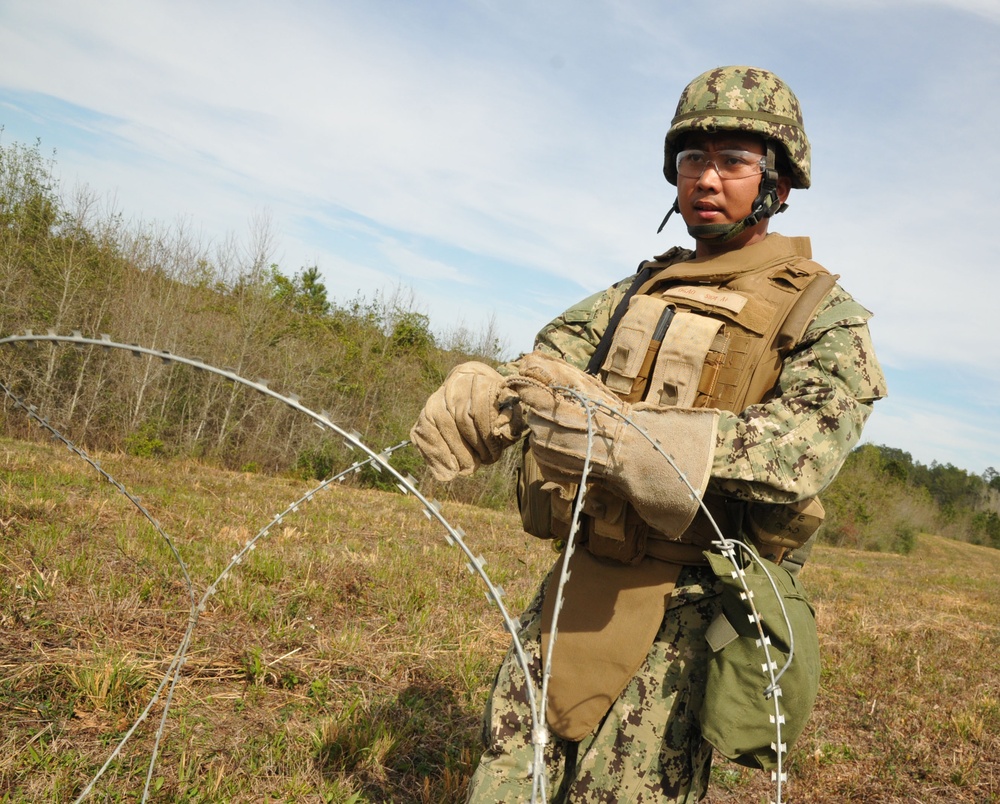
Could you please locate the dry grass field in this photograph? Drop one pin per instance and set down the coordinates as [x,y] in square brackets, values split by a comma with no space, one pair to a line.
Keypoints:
[348,658]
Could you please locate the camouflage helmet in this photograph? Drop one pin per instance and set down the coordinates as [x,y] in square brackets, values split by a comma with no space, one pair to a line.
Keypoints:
[741,99]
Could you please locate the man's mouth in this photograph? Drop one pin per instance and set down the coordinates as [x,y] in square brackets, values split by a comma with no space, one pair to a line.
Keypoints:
[705,209]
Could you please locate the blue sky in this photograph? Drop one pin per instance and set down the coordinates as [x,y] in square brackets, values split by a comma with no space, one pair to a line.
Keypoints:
[496,161]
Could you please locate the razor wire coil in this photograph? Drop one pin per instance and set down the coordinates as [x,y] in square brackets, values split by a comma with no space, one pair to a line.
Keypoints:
[454,536]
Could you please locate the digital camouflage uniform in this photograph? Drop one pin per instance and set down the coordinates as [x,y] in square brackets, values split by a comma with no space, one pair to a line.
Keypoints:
[649,748]
[779,441]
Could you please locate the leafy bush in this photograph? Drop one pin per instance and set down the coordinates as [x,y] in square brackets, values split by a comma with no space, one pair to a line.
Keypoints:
[145,442]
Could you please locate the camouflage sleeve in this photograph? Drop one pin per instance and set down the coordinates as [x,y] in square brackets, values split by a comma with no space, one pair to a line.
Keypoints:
[793,445]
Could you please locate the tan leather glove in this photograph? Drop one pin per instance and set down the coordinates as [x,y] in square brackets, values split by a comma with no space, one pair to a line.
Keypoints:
[620,455]
[466,422]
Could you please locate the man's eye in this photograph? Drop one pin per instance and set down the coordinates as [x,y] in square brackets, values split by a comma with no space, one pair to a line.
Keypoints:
[737,160]
[693,158]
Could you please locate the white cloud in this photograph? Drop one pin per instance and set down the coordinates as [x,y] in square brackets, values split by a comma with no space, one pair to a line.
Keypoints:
[987,9]
[947,433]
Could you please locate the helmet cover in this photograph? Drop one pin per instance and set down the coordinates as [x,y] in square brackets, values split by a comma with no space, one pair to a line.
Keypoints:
[744,99]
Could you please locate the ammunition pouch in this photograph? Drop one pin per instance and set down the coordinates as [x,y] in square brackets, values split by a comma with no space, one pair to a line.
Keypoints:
[535,499]
[736,716]
[611,527]
[778,529]
[663,356]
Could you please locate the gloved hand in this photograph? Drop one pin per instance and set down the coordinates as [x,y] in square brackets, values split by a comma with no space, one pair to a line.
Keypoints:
[466,422]
[620,456]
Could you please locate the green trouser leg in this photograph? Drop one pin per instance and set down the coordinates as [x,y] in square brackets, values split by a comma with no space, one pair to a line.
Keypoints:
[648,748]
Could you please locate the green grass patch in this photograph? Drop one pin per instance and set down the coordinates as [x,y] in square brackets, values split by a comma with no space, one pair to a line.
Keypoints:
[349,656]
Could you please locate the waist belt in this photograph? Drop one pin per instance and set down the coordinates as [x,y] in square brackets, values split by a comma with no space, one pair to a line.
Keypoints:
[698,537]
[621,535]
[688,555]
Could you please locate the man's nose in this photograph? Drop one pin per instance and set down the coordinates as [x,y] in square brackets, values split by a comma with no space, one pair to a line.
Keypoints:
[710,176]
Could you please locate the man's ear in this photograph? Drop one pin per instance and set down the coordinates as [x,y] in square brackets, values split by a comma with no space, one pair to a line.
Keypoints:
[784,187]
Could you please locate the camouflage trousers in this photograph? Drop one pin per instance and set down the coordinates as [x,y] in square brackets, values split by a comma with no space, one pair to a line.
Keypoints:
[648,747]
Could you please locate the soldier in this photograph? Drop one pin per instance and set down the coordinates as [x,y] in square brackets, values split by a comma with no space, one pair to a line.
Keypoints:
[753,368]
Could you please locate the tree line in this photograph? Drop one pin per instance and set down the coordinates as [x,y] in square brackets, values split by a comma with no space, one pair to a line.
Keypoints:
[882,498]
[69,263]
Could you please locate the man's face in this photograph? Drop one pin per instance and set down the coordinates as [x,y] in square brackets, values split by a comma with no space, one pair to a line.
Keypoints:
[710,199]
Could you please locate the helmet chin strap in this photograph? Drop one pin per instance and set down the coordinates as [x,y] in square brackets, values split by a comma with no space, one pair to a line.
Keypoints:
[765,205]
[675,207]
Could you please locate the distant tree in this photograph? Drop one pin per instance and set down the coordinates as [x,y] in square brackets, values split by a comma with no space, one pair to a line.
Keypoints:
[303,293]
[985,528]
[953,487]
[896,463]
[313,292]
[991,477]
[29,201]
[412,333]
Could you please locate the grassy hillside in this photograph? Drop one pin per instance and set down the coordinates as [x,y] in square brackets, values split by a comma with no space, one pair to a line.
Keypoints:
[348,658]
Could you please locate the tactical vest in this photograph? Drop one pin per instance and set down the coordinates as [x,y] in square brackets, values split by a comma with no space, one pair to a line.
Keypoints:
[707,333]
[725,336]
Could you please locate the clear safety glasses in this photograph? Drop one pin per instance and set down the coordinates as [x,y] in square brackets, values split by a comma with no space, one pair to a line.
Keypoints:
[728,164]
